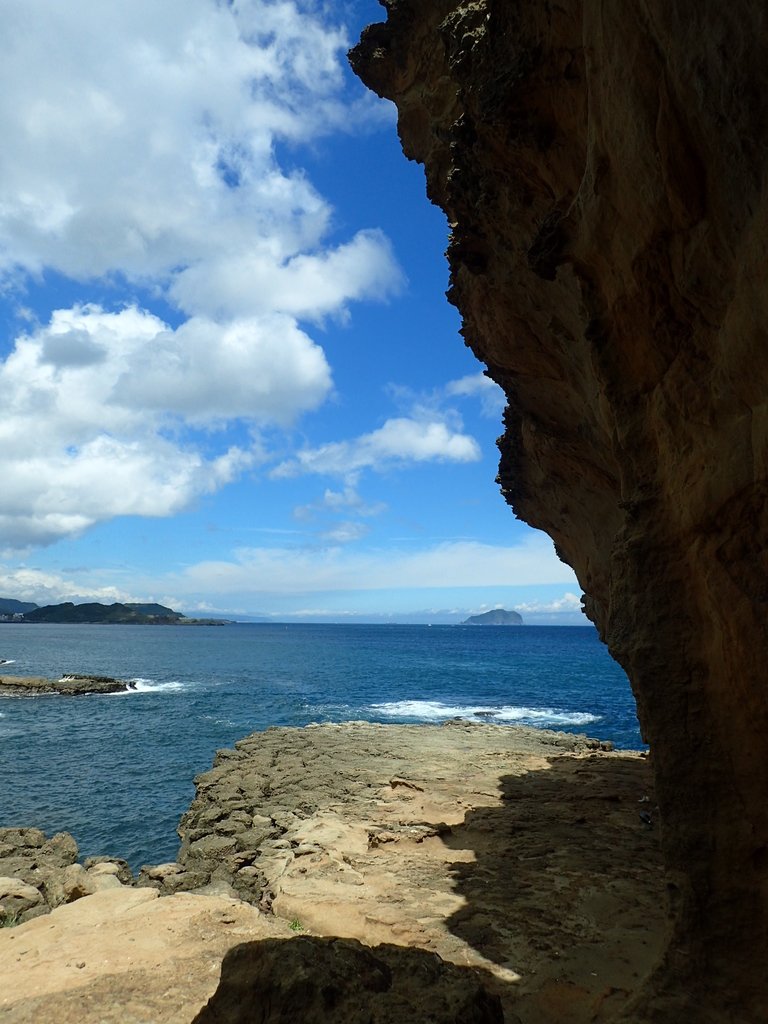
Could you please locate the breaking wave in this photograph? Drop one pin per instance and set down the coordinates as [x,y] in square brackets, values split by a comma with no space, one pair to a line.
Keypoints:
[435,711]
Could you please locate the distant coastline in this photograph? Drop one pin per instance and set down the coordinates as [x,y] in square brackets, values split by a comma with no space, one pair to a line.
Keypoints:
[94,613]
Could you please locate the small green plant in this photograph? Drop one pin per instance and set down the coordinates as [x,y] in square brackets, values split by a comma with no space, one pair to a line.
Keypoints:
[10,920]
[296,925]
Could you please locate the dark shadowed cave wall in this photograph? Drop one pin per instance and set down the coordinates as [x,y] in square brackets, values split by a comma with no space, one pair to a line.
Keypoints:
[603,169]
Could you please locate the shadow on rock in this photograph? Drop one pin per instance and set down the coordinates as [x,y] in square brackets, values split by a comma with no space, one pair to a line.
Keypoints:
[340,981]
[566,885]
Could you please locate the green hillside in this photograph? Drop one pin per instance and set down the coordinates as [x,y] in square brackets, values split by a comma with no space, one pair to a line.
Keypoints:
[140,614]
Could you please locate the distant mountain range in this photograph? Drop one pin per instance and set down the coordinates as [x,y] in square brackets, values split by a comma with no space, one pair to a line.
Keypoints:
[496,617]
[95,613]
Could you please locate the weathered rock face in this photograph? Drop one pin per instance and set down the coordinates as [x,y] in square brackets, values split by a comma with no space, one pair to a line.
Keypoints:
[38,873]
[405,834]
[340,981]
[603,171]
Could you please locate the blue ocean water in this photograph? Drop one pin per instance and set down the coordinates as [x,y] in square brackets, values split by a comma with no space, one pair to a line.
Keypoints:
[117,771]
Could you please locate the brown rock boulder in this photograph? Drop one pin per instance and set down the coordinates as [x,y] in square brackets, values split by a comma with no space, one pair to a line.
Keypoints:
[17,899]
[340,981]
[50,866]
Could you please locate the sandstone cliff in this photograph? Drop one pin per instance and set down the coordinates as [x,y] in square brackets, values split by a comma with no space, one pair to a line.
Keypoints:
[603,170]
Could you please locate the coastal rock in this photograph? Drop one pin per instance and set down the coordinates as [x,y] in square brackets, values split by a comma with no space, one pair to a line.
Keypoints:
[16,900]
[109,865]
[324,981]
[604,173]
[67,685]
[74,882]
[50,867]
[123,957]
[405,834]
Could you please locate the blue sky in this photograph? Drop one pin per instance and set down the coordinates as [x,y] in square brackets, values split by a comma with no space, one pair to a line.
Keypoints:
[231,380]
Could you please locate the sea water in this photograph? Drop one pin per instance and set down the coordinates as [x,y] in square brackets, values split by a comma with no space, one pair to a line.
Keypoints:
[117,770]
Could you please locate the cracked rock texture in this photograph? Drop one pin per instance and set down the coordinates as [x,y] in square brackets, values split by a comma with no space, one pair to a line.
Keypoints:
[518,853]
[603,170]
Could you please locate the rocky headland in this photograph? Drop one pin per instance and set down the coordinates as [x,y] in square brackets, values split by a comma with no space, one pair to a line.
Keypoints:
[396,837]
[97,614]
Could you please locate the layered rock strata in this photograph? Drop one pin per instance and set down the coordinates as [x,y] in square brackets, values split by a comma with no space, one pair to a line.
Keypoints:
[603,171]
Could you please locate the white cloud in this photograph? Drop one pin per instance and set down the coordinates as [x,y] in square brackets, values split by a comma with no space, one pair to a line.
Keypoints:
[477,385]
[261,369]
[567,603]
[345,532]
[399,440]
[305,286]
[95,404]
[346,501]
[264,578]
[41,587]
[140,144]
[139,137]
[307,570]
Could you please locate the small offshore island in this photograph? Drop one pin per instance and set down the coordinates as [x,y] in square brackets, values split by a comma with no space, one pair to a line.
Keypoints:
[495,617]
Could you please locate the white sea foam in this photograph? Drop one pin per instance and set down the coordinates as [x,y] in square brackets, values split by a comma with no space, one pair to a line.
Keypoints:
[435,711]
[150,686]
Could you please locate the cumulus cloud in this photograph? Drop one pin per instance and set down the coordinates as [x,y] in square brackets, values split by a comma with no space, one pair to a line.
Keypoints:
[140,138]
[399,440]
[43,587]
[140,146]
[305,286]
[93,400]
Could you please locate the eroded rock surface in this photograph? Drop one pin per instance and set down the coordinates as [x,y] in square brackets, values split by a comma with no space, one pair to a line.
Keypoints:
[603,171]
[521,853]
[123,957]
[38,873]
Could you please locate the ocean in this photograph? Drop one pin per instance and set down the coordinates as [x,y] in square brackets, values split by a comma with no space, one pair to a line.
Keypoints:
[117,771]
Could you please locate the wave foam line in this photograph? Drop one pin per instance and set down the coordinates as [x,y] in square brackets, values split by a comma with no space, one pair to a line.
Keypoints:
[150,686]
[436,711]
